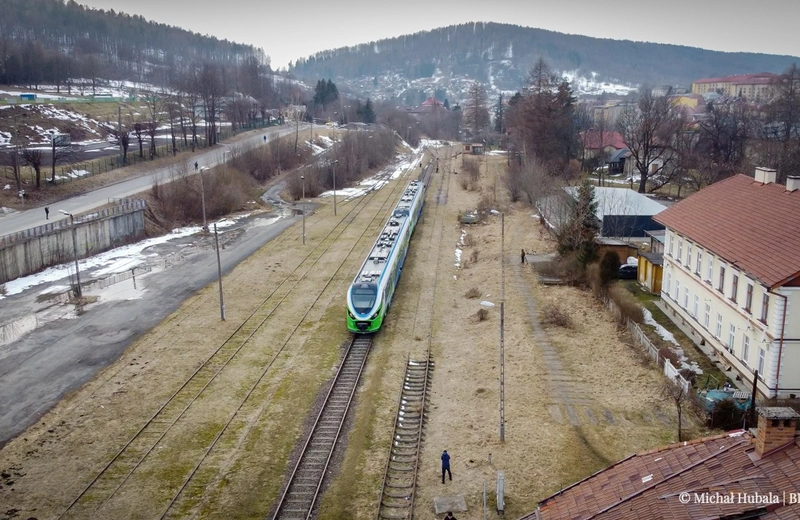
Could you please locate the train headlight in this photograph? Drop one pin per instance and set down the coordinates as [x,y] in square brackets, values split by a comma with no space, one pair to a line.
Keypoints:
[375,315]
[350,314]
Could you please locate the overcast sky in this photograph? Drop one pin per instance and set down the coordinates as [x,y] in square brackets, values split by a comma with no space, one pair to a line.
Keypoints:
[287,30]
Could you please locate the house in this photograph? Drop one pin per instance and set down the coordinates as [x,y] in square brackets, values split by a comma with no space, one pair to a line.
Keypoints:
[735,475]
[431,104]
[622,212]
[732,273]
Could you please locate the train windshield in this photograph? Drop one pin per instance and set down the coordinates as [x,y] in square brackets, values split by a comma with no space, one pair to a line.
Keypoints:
[363,296]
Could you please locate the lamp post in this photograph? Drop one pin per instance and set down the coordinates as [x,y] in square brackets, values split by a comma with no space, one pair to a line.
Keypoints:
[334,186]
[302,178]
[203,198]
[219,275]
[78,292]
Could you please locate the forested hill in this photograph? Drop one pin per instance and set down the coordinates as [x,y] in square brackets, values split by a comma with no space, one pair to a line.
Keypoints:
[48,41]
[503,54]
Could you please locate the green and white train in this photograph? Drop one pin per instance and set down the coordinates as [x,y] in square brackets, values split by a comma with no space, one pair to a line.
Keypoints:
[371,293]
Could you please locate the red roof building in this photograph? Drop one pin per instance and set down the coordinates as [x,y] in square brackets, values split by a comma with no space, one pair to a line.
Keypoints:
[610,141]
[735,475]
[732,273]
[749,86]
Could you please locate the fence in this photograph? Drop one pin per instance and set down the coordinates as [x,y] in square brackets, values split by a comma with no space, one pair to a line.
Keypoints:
[129,206]
[650,349]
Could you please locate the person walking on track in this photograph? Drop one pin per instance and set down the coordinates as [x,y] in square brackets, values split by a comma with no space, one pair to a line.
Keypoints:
[522,256]
[46,213]
[446,465]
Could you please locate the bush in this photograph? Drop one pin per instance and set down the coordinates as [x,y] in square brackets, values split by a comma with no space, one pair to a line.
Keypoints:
[594,280]
[471,170]
[627,303]
[726,416]
[609,268]
[467,240]
[482,315]
[473,293]
[553,315]
[564,267]
[465,183]
[4,291]
[473,257]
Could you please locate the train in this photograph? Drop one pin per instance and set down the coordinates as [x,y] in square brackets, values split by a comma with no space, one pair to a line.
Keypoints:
[370,294]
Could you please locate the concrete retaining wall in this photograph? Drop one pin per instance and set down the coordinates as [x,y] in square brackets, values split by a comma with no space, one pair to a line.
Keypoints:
[95,233]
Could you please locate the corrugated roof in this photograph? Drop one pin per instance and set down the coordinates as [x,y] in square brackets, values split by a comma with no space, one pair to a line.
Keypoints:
[754,226]
[620,201]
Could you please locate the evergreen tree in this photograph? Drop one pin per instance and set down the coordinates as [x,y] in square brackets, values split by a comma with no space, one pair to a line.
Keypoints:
[446,104]
[369,112]
[578,235]
[609,268]
[499,127]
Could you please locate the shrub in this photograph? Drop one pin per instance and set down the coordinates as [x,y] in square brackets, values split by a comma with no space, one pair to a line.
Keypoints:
[594,280]
[726,416]
[4,291]
[554,315]
[485,203]
[627,303]
[473,257]
[564,267]
[472,170]
[482,315]
[467,240]
[466,183]
[609,268]
[473,293]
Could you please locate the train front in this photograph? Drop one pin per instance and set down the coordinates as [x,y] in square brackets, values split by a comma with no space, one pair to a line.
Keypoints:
[363,308]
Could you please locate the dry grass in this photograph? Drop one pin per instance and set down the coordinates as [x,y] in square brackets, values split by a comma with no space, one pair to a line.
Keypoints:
[554,315]
[482,315]
[473,293]
[627,303]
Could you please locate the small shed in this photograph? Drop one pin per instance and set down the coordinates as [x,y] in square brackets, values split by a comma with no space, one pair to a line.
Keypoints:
[28,97]
[478,148]
[651,267]
[620,247]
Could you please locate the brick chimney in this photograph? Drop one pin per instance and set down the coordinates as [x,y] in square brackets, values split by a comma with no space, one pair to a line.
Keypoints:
[765,175]
[792,183]
[776,428]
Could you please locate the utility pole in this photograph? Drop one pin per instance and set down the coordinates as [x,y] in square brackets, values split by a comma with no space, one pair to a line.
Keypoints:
[219,275]
[119,135]
[203,199]
[78,292]
[334,186]
[302,178]
[502,328]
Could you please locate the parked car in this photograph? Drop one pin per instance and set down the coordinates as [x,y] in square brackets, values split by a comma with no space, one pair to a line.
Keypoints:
[628,272]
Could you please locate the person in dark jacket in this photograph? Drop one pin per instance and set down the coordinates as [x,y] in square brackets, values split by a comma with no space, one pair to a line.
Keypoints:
[446,465]
[450,516]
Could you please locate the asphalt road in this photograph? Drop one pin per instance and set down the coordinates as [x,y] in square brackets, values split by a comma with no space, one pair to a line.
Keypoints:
[60,355]
[33,217]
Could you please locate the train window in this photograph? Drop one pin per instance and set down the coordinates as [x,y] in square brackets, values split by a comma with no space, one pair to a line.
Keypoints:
[363,296]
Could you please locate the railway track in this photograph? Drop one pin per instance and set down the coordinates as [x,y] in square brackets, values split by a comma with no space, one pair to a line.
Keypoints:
[300,495]
[402,466]
[142,445]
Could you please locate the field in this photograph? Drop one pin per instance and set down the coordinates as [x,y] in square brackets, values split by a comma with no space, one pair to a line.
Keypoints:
[575,399]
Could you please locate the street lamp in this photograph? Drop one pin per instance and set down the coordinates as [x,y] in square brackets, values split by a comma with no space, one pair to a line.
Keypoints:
[302,178]
[334,186]
[203,198]
[78,292]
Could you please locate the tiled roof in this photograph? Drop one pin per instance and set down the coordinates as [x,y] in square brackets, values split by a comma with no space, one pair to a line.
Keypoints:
[754,226]
[649,485]
[741,79]
[612,139]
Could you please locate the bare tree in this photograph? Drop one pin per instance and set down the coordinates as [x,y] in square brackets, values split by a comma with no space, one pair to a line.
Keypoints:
[11,159]
[212,89]
[649,129]
[675,393]
[155,110]
[722,140]
[781,133]
[476,115]
[60,155]
[140,131]
[34,157]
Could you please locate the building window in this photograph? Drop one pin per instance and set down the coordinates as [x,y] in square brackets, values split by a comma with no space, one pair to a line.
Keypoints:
[761,355]
[677,290]
[686,297]
[688,255]
[696,306]
[731,337]
[669,282]
[721,287]
[710,272]
[680,250]
[669,244]
[764,307]
[734,287]
[718,332]
[748,302]
[746,349]
[699,263]
[707,318]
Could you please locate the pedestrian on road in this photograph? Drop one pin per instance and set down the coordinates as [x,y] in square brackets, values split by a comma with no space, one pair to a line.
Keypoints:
[450,516]
[522,256]
[196,166]
[446,465]
[46,213]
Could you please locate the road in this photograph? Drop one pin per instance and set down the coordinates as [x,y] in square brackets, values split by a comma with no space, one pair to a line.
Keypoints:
[33,217]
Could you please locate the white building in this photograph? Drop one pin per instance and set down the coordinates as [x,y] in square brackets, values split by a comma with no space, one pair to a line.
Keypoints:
[732,272]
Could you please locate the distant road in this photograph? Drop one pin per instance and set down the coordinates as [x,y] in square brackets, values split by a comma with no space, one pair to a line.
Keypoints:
[33,217]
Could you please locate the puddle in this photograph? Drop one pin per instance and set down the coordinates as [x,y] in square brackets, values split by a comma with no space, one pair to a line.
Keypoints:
[11,332]
[129,289]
